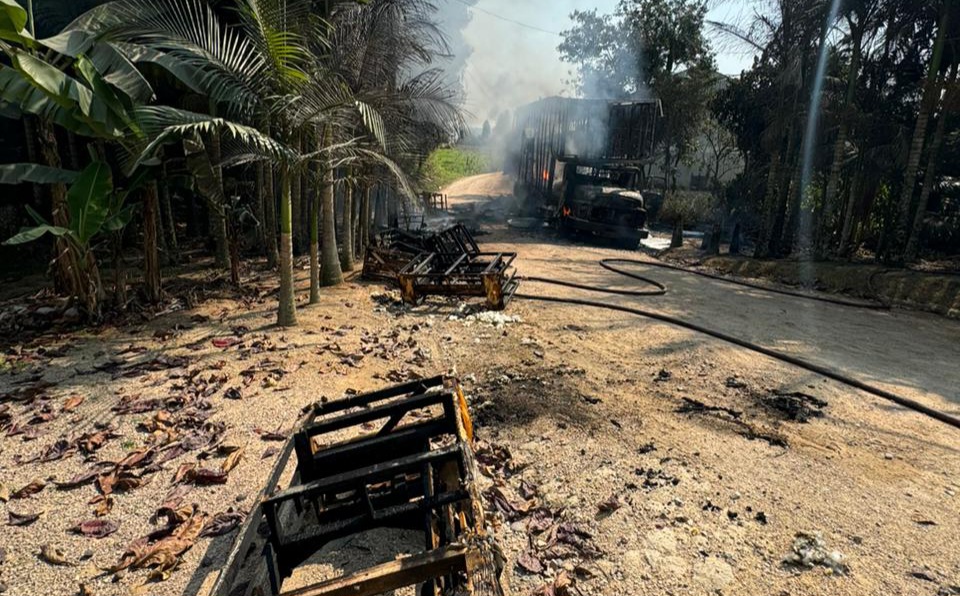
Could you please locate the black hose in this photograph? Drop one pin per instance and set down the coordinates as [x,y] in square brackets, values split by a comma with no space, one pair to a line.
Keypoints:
[661,289]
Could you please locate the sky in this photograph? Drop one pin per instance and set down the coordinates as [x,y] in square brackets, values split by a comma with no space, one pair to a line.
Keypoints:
[509,65]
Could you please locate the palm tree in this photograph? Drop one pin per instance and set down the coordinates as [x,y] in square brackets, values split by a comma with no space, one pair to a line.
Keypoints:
[264,71]
[373,48]
[931,92]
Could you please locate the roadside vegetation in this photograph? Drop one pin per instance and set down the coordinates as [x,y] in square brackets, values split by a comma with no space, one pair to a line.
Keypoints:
[448,164]
[845,123]
[266,127]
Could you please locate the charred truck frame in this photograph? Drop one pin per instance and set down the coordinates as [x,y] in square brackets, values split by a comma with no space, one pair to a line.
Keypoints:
[581,164]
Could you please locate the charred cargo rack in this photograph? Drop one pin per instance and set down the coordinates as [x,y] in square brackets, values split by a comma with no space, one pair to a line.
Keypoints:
[392,249]
[400,457]
[488,275]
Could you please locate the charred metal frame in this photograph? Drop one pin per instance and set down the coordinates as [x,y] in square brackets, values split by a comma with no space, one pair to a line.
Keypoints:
[414,470]
[447,263]
[488,275]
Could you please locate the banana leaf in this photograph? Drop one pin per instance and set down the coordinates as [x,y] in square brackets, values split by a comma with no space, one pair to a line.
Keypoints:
[89,201]
[17,173]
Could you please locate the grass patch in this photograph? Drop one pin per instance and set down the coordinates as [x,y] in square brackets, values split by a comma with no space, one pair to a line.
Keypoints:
[450,164]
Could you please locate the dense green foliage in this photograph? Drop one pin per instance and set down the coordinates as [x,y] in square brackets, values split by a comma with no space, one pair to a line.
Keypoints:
[258,108]
[448,164]
[845,121]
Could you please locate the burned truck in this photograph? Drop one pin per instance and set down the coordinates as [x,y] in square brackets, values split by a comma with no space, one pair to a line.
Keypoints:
[581,164]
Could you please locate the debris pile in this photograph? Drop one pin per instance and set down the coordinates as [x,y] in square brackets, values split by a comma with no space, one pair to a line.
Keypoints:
[445,263]
[809,550]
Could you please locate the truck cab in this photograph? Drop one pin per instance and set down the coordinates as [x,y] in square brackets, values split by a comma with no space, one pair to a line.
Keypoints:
[600,198]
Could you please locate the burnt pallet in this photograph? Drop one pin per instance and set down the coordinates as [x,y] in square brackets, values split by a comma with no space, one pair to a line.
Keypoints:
[407,463]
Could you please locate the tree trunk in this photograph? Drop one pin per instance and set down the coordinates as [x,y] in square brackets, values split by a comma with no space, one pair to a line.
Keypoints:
[789,179]
[833,182]
[287,311]
[218,216]
[846,247]
[259,210]
[330,273]
[119,274]
[314,223]
[346,252]
[927,103]
[270,217]
[151,254]
[296,187]
[769,209]
[173,245]
[913,241]
[676,241]
[76,273]
[364,220]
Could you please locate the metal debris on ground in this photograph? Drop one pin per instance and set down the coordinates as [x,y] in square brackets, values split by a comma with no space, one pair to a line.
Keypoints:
[446,263]
[400,457]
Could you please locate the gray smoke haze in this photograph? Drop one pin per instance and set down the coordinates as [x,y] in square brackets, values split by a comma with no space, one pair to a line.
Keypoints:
[506,50]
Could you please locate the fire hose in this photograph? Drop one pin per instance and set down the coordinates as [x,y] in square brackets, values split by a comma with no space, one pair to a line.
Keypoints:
[659,289]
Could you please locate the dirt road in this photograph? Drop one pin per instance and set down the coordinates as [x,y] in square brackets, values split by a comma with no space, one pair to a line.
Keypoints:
[865,475]
[644,459]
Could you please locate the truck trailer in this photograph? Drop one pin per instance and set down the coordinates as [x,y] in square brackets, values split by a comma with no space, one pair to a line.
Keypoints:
[580,164]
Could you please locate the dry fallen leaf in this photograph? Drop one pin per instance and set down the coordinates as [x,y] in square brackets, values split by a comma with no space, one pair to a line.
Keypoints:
[203,477]
[232,460]
[33,488]
[54,556]
[85,590]
[4,493]
[95,528]
[21,519]
[72,403]
[529,562]
[104,503]
[183,472]
[222,523]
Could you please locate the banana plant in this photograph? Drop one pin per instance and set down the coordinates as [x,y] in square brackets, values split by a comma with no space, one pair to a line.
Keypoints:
[94,207]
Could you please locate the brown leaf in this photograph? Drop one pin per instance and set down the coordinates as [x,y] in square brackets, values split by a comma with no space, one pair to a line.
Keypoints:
[21,519]
[33,488]
[85,590]
[137,459]
[173,498]
[72,403]
[83,477]
[204,477]
[60,449]
[269,452]
[91,442]
[118,481]
[4,493]
[530,563]
[232,460]
[95,528]
[54,556]
[104,504]
[222,523]
[183,472]
[176,514]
